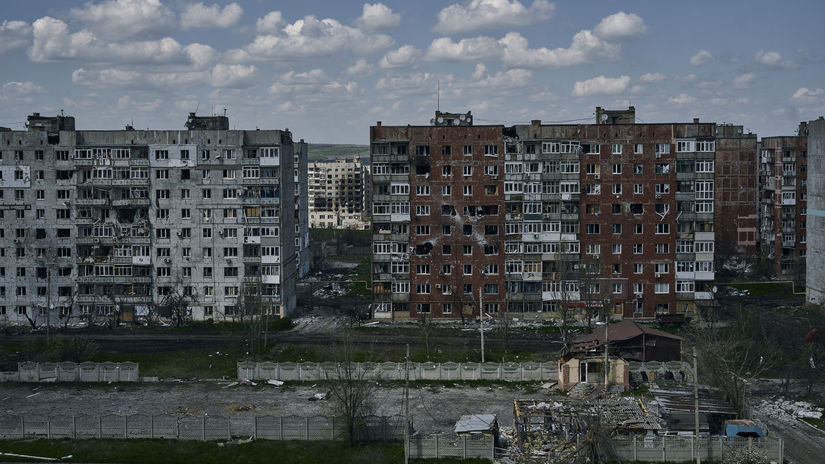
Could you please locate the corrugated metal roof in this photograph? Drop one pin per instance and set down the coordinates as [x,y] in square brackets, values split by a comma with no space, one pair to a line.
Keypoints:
[681,399]
[624,330]
[475,423]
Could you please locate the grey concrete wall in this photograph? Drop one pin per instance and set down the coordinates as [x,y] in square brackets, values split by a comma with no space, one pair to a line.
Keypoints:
[815,259]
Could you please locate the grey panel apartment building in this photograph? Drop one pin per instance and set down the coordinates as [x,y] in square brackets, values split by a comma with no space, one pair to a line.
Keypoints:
[109,224]
[338,193]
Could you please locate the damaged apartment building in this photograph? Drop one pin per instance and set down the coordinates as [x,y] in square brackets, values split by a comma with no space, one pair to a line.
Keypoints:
[339,193]
[116,223]
[621,216]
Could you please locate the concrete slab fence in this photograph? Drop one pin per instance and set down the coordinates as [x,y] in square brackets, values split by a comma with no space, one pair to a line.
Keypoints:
[508,372]
[73,372]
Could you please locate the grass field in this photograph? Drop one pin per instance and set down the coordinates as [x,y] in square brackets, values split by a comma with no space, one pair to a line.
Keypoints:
[171,451]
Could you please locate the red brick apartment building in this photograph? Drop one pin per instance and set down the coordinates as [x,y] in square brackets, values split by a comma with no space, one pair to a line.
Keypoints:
[783,173]
[525,220]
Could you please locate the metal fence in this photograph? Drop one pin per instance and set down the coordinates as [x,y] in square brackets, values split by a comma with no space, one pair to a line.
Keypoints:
[73,372]
[451,446]
[204,428]
[682,449]
[510,372]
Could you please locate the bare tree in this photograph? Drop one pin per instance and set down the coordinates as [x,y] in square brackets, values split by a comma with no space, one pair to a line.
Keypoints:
[733,356]
[352,396]
[427,328]
[176,306]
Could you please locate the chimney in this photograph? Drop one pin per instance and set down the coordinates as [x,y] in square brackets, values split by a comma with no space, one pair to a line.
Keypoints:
[378,123]
[695,120]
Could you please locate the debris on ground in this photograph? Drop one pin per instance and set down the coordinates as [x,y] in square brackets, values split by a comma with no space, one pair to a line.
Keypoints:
[247,382]
[795,409]
[277,383]
[319,397]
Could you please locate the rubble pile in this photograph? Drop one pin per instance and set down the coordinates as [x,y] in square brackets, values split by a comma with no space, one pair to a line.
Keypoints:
[795,409]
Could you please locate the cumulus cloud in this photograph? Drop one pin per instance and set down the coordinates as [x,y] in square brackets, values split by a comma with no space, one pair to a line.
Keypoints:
[485,14]
[198,15]
[314,86]
[130,79]
[313,37]
[272,23]
[14,34]
[420,83]
[469,49]
[701,57]
[16,89]
[586,46]
[403,57]
[501,80]
[601,85]
[121,19]
[773,60]
[359,68]
[233,75]
[54,42]
[743,81]
[652,77]
[806,95]
[377,16]
[681,99]
[620,26]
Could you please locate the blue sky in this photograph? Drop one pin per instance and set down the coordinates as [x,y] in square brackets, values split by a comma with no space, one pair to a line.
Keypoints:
[329,69]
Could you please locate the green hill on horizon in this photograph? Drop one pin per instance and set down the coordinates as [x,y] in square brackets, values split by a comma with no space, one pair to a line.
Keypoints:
[321,151]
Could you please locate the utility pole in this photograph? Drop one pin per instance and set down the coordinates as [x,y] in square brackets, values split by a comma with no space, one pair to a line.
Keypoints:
[606,351]
[48,306]
[481,315]
[407,407]
[696,401]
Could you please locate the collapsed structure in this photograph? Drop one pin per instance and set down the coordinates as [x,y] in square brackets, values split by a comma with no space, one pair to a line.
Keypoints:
[339,194]
[128,223]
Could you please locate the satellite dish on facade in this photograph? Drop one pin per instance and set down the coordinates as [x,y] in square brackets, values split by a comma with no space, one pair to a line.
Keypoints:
[603,117]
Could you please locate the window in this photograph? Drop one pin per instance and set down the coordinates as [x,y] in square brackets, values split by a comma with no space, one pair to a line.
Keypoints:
[685,286]
[704,166]
[661,288]
[446,150]
[617,189]
[683,146]
[422,189]
[490,150]
[638,268]
[661,268]
[638,189]
[662,248]
[161,154]
[593,249]
[617,168]
[422,230]
[467,190]
[637,248]
[467,171]
[422,210]
[662,228]
[638,149]
[422,269]
[616,148]
[593,229]
[617,248]
[703,247]
[662,189]
[467,269]
[705,145]
[422,150]
[617,229]
[423,289]
[467,150]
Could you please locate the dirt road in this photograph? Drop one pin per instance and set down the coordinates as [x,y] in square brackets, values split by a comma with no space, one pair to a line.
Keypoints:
[433,409]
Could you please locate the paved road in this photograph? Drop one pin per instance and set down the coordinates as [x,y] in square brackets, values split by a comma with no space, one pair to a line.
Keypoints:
[803,444]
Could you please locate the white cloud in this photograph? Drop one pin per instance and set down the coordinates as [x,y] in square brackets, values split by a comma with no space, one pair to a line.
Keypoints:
[120,19]
[313,37]
[19,89]
[701,57]
[314,86]
[54,42]
[806,95]
[486,14]
[198,15]
[470,49]
[480,71]
[501,80]
[744,81]
[585,48]
[360,68]
[233,75]
[620,26]
[127,79]
[652,77]
[637,89]
[127,103]
[272,23]
[377,16]
[14,34]
[403,57]
[773,60]
[681,99]
[601,86]
[411,84]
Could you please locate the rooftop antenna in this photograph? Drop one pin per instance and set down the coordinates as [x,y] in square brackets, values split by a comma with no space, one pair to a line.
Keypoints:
[197,107]
[224,111]
[438,96]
